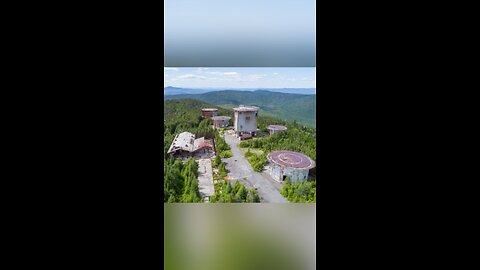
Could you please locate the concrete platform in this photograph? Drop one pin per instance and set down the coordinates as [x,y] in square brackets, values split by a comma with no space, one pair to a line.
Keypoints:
[205,178]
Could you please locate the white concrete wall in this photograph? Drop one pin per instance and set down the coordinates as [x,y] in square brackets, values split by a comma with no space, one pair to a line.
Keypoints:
[278,172]
[273,131]
[241,124]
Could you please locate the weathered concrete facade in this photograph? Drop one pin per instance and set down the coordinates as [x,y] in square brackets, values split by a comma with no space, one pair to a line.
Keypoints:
[245,120]
[209,112]
[275,129]
[220,121]
[280,174]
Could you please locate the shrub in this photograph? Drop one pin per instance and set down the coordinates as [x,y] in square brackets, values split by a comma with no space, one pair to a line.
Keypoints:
[226,154]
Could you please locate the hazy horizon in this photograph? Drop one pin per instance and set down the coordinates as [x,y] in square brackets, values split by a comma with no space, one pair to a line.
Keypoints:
[239,88]
[239,77]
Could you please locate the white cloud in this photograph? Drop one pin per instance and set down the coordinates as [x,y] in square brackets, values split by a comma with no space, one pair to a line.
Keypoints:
[224,74]
[189,77]
[172,69]
[255,77]
[275,73]
[201,70]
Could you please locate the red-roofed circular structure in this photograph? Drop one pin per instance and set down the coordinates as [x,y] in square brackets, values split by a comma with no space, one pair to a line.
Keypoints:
[290,159]
[289,164]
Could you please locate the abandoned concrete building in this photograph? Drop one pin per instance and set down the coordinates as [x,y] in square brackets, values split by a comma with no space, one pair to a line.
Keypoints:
[185,145]
[291,164]
[220,121]
[245,120]
[209,112]
[276,128]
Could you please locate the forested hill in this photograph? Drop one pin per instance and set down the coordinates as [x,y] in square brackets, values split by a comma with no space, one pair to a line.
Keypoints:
[290,107]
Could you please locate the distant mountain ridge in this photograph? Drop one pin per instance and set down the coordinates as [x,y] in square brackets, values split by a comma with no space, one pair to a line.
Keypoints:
[171,90]
[286,106]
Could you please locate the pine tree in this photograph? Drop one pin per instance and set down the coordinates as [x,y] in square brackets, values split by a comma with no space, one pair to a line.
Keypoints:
[217,161]
[242,193]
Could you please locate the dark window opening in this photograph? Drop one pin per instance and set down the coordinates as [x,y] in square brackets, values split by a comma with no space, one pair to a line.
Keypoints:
[284,177]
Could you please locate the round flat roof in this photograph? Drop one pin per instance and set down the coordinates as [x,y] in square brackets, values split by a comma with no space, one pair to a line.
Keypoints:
[210,109]
[290,159]
[221,118]
[277,127]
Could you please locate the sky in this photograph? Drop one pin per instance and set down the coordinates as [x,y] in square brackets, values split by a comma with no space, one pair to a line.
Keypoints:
[222,33]
[240,77]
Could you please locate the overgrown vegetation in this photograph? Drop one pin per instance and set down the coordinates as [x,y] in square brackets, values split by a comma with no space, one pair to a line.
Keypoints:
[221,146]
[300,192]
[222,171]
[292,139]
[257,161]
[180,181]
[225,193]
[296,138]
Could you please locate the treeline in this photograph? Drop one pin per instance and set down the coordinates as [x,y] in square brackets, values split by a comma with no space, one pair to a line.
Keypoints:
[264,121]
[299,192]
[225,193]
[291,139]
[180,181]
[222,171]
[221,146]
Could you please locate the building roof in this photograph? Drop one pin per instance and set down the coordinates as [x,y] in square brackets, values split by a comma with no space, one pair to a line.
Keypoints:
[290,159]
[277,127]
[209,109]
[186,141]
[220,118]
[202,143]
[242,108]
[183,141]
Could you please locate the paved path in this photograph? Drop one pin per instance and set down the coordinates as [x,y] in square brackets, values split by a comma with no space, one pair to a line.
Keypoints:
[242,171]
[205,178]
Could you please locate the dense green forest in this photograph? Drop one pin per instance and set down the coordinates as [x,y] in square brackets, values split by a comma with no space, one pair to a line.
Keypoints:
[225,193]
[180,181]
[300,191]
[301,108]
